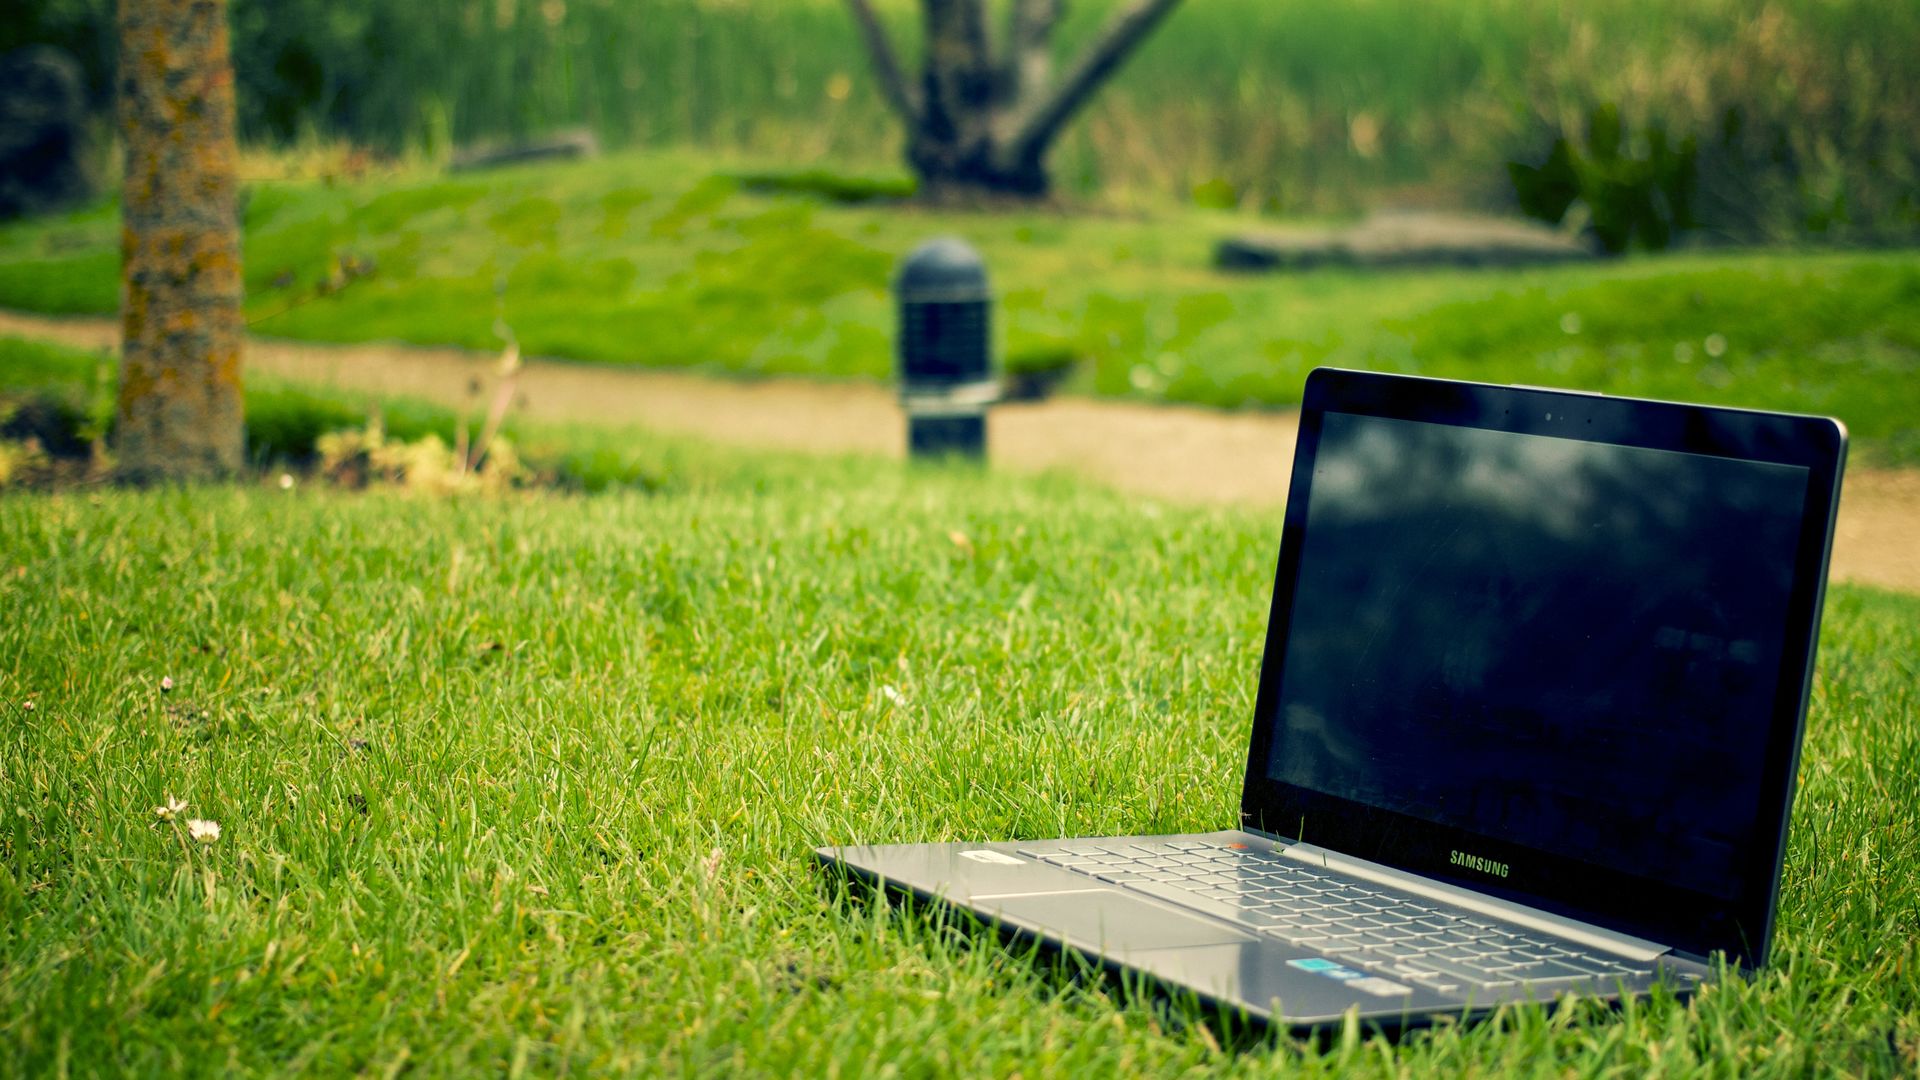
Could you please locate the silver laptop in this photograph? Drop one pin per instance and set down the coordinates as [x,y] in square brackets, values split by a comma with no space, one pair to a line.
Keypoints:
[1527,725]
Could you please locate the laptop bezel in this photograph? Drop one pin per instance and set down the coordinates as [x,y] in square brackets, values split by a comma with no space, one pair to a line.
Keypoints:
[1693,923]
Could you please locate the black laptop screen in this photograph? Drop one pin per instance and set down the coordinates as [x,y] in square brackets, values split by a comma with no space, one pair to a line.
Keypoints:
[1565,646]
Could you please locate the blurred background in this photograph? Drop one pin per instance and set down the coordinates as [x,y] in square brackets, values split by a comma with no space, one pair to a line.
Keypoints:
[1789,119]
[1714,200]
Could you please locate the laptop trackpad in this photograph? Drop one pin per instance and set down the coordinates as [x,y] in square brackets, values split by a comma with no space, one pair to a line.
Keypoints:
[1107,920]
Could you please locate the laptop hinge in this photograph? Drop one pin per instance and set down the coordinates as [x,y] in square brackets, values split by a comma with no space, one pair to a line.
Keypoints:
[1596,937]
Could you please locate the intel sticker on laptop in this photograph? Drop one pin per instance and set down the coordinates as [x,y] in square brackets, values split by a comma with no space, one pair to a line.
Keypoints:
[996,858]
[1334,969]
[1319,965]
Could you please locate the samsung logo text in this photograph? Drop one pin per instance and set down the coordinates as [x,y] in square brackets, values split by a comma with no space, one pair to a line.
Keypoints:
[1475,862]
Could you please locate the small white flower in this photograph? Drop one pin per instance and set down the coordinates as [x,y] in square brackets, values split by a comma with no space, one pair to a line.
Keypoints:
[27,705]
[204,831]
[170,809]
[1716,345]
[893,695]
[286,481]
[166,684]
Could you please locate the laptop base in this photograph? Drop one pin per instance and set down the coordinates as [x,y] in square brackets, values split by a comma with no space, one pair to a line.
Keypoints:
[1231,966]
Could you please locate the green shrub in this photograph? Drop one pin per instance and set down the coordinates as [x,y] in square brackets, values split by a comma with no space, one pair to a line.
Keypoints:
[55,420]
[1790,121]
[1637,192]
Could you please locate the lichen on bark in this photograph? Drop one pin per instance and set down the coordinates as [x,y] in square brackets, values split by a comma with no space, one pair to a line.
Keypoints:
[182,329]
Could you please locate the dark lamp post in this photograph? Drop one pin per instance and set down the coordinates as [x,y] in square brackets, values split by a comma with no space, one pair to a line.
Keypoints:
[947,377]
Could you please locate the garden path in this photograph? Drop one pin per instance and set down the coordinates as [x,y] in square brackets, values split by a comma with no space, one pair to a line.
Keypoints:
[1175,452]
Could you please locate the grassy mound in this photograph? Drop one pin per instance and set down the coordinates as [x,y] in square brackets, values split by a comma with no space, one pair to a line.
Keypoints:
[661,261]
[531,781]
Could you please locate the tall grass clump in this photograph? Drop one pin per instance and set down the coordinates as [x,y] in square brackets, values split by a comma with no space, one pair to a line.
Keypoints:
[1795,120]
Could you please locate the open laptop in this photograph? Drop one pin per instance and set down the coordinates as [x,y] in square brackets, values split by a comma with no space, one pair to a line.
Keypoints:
[1527,724]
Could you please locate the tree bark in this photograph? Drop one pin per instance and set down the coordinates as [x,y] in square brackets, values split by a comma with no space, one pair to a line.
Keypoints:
[180,393]
[952,145]
[1029,63]
[981,128]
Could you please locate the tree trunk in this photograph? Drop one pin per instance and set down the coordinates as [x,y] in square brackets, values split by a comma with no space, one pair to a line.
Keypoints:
[952,147]
[981,129]
[180,399]
[1028,66]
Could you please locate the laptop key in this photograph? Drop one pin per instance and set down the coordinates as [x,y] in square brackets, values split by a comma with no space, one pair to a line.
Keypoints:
[1417,942]
[1253,918]
[1594,964]
[1543,970]
[1461,972]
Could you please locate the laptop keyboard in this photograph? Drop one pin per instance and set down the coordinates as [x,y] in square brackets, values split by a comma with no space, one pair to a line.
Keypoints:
[1355,922]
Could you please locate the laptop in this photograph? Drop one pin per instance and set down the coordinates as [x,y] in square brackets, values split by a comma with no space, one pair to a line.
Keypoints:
[1527,724]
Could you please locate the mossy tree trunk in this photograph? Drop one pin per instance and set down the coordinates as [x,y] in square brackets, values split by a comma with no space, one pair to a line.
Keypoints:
[980,126]
[180,398]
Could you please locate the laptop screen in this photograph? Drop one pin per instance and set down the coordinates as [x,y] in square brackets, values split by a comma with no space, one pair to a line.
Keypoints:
[1555,645]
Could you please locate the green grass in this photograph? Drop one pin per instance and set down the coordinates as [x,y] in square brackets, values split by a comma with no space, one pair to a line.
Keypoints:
[284,420]
[662,260]
[532,782]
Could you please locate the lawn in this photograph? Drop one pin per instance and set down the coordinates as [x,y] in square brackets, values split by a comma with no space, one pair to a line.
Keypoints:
[666,259]
[530,782]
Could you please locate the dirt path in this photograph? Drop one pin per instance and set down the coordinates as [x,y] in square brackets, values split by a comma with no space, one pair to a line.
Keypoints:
[1174,452]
